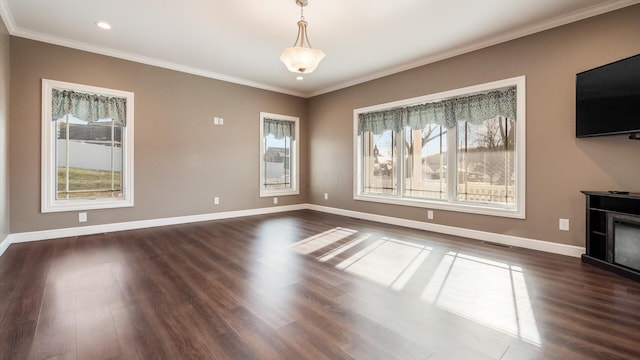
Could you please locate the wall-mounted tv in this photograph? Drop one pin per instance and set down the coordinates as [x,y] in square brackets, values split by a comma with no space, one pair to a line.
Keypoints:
[608,99]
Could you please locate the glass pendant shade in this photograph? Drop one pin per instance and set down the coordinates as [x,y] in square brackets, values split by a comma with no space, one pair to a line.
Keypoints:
[302,58]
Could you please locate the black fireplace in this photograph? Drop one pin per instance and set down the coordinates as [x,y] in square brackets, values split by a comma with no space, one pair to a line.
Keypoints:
[613,232]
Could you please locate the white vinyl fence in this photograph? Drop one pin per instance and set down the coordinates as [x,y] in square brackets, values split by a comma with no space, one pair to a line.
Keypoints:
[88,156]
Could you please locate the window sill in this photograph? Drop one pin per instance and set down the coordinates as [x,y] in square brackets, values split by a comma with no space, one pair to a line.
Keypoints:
[84,204]
[272,193]
[478,209]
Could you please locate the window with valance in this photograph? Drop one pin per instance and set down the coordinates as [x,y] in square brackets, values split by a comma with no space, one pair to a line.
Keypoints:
[278,155]
[87,150]
[462,150]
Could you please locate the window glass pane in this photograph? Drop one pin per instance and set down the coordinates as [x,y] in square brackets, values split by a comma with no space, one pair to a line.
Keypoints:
[426,162]
[486,161]
[277,163]
[455,150]
[88,159]
[379,163]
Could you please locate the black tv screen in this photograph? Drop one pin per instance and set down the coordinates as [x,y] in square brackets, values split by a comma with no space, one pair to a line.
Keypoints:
[608,99]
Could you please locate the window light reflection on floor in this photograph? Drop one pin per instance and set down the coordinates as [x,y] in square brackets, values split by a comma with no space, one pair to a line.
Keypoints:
[322,240]
[488,292]
[387,261]
[333,253]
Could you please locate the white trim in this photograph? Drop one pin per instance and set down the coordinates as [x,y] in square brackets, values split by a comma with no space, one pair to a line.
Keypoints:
[546,246]
[533,244]
[518,211]
[48,153]
[4,244]
[591,11]
[50,39]
[7,17]
[294,151]
[142,224]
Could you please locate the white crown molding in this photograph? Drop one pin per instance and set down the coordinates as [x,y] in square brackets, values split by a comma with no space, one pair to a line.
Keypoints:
[544,25]
[546,246]
[33,35]
[6,16]
[522,32]
[555,248]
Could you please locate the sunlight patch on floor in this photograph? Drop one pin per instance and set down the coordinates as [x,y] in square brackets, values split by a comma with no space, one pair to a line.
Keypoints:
[488,292]
[389,262]
[333,253]
[319,241]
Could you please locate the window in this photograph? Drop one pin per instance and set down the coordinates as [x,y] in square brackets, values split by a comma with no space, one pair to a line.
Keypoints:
[278,155]
[462,150]
[87,147]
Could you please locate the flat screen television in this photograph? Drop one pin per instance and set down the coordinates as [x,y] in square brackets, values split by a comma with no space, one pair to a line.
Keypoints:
[608,99]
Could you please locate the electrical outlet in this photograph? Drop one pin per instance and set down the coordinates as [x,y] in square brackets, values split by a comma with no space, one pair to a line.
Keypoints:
[216,121]
[82,217]
[326,196]
[221,121]
[275,200]
[216,200]
[563,224]
[430,214]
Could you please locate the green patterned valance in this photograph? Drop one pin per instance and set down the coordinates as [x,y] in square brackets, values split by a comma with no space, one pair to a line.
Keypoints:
[279,128]
[473,108]
[88,107]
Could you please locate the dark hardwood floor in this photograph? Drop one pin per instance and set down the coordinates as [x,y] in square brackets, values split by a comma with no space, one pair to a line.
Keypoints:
[307,285]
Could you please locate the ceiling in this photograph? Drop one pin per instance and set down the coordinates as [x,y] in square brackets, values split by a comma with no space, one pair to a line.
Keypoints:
[241,41]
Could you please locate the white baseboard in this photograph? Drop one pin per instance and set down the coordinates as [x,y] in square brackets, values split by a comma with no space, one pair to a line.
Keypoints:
[4,244]
[510,240]
[131,225]
[546,246]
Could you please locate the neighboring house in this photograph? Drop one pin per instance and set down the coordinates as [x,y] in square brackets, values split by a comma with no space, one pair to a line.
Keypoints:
[276,155]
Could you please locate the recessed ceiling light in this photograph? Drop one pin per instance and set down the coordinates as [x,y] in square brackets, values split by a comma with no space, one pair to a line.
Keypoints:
[103,25]
[299,77]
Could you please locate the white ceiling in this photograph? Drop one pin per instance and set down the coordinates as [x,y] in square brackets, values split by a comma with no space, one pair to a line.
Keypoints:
[241,41]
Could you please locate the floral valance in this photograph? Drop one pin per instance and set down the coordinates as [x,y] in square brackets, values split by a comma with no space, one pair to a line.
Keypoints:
[279,128]
[88,107]
[473,108]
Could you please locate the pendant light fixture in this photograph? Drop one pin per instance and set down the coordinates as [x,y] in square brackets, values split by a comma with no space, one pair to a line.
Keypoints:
[301,58]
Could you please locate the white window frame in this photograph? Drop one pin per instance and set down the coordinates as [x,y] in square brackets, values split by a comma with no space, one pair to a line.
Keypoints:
[49,203]
[295,152]
[451,204]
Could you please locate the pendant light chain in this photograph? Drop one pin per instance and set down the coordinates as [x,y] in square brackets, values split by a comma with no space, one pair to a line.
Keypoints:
[302,28]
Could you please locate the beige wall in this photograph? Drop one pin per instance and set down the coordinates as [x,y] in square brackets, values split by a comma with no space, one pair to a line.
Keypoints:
[181,159]
[558,164]
[4,131]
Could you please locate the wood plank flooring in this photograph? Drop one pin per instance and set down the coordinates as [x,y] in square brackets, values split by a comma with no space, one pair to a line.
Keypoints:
[307,285]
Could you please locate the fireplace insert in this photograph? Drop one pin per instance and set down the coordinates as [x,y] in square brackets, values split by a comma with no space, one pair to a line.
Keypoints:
[623,240]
